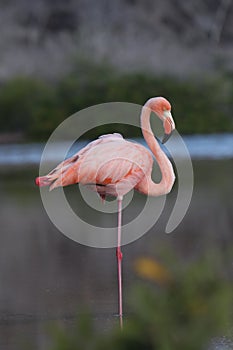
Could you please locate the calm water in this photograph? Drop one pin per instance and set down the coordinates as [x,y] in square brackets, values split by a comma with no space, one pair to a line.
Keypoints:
[199,146]
[45,277]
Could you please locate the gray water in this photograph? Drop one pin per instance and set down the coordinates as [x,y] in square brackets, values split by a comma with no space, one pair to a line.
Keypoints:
[47,278]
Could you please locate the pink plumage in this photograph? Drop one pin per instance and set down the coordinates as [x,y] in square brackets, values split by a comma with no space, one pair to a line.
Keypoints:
[112,165]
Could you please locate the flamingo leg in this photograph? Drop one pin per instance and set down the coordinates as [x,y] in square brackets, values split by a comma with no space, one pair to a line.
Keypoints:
[119,259]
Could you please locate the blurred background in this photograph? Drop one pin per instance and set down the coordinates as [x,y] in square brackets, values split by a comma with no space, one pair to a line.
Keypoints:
[58,57]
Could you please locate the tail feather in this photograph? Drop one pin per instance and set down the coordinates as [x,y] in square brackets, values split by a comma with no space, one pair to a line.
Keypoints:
[64,174]
[58,177]
[43,181]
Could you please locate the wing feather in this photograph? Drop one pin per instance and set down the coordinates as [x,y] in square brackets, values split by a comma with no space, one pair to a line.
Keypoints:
[108,161]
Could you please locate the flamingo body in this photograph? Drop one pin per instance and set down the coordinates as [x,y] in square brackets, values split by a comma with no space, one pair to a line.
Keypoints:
[109,165]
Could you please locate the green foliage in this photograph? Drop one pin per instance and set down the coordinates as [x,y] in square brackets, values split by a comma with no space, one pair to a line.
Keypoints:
[36,107]
[86,85]
[84,337]
[195,307]
[29,106]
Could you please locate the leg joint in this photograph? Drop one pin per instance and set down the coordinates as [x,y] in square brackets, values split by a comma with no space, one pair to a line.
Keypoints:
[119,254]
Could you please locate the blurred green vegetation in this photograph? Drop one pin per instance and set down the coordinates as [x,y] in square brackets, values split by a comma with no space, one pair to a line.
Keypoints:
[35,108]
[189,311]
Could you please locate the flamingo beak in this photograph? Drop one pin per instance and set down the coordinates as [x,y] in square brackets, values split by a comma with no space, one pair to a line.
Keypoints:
[166,137]
[168,124]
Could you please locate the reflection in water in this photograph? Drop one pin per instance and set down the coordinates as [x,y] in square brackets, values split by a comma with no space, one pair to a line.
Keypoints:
[46,277]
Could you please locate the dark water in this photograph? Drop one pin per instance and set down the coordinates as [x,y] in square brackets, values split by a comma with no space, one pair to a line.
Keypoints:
[47,278]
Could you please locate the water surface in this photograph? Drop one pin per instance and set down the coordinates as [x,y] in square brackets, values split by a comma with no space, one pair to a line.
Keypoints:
[214,146]
[45,277]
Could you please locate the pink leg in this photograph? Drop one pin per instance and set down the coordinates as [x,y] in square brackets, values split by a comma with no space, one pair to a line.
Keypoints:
[119,259]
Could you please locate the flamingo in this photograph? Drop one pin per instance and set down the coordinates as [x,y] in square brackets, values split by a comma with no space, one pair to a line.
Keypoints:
[113,166]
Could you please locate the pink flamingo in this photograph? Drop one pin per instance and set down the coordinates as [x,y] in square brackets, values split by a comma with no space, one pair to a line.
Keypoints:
[113,166]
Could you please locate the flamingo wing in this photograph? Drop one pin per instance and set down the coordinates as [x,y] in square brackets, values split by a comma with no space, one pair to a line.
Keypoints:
[108,165]
[65,172]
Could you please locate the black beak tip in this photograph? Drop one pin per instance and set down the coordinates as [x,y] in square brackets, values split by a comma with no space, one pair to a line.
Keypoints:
[165,138]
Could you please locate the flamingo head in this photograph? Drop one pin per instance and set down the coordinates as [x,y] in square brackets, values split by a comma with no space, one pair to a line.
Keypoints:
[162,108]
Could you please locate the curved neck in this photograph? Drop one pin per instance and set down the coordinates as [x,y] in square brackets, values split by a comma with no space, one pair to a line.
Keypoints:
[168,177]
